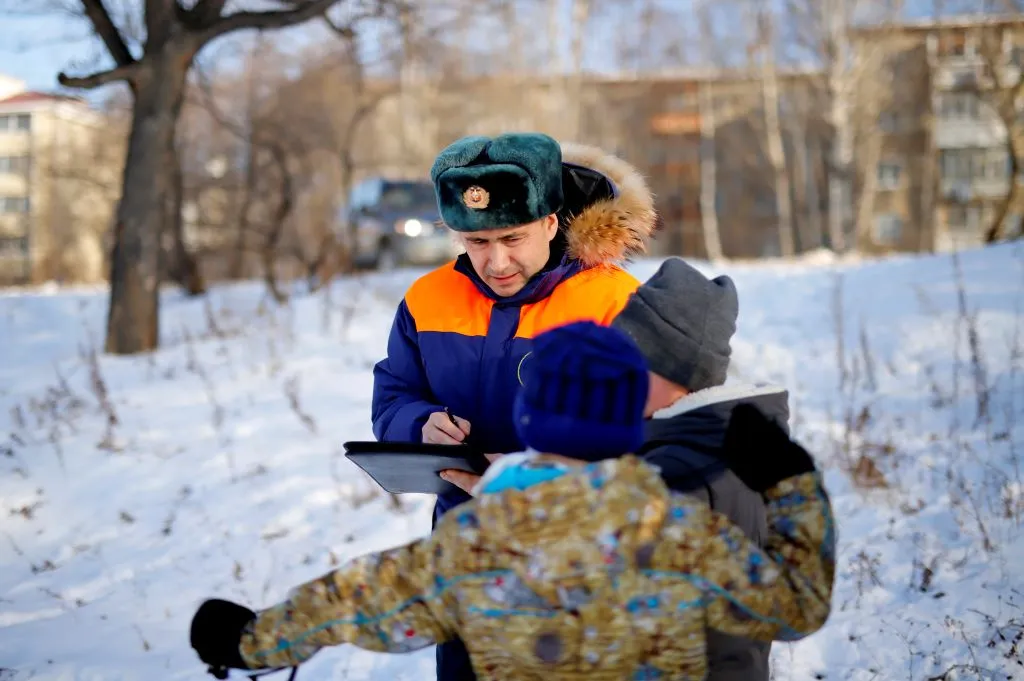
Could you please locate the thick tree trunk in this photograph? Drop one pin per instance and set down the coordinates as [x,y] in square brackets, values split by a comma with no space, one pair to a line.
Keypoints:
[132,320]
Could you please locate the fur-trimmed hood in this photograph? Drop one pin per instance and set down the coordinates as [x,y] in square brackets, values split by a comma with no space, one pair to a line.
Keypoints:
[604,226]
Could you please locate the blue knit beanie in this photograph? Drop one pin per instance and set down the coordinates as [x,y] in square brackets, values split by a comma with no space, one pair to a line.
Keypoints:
[583,395]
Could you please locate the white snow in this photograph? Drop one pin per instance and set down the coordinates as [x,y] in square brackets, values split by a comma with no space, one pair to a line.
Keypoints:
[213,481]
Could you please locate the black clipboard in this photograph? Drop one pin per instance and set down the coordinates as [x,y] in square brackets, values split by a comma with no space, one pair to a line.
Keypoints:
[412,467]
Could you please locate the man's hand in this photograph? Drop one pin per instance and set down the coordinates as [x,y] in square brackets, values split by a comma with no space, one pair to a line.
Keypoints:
[440,429]
[463,480]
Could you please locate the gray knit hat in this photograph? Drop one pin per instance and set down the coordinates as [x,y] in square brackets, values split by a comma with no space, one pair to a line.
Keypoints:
[683,323]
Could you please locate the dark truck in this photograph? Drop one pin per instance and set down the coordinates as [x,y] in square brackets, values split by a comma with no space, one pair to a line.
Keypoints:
[392,223]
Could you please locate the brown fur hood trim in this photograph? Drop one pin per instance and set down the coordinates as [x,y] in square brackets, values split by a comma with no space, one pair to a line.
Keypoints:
[610,230]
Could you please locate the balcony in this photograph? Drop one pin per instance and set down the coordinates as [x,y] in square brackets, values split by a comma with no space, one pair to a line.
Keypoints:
[965,133]
[963,191]
[962,73]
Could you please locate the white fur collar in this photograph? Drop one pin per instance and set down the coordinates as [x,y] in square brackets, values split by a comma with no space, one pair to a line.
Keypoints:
[714,395]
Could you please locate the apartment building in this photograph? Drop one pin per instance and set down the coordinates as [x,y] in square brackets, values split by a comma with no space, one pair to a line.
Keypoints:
[690,127]
[55,202]
[933,166]
[930,138]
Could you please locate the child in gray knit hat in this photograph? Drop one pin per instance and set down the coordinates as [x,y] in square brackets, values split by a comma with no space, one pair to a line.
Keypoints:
[683,323]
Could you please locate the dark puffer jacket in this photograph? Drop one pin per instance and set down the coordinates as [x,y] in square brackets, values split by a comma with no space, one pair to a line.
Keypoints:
[684,440]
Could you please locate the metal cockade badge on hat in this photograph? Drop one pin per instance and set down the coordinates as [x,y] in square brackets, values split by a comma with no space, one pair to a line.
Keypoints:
[476,197]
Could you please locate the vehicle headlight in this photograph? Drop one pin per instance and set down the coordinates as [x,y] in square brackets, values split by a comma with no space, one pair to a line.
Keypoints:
[413,227]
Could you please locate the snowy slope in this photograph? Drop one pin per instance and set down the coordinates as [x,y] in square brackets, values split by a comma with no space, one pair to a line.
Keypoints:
[131,489]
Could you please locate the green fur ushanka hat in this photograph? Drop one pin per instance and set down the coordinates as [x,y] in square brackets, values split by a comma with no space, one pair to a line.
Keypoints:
[494,183]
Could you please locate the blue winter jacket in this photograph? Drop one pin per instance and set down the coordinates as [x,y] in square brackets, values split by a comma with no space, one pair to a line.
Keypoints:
[455,344]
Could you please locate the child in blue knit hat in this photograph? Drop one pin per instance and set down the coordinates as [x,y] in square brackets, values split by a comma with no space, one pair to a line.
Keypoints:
[583,393]
[574,561]
[583,396]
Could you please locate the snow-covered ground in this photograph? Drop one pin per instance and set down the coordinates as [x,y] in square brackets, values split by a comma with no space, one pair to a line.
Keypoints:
[132,488]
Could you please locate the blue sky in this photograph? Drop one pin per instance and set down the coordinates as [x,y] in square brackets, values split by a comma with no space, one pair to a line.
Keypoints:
[36,48]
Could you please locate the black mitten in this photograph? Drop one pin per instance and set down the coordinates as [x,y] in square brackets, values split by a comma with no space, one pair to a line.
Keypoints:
[759,452]
[217,632]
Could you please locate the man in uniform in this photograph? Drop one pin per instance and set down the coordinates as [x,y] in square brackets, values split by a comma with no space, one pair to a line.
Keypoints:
[544,227]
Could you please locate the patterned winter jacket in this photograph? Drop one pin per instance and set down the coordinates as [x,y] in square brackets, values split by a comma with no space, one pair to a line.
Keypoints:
[565,572]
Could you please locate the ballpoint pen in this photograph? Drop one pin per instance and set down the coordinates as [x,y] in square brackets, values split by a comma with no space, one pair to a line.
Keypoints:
[451,418]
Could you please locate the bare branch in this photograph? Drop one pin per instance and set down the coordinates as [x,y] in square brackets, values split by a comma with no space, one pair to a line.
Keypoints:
[125,73]
[206,12]
[161,15]
[345,32]
[1001,95]
[284,209]
[267,20]
[107,32]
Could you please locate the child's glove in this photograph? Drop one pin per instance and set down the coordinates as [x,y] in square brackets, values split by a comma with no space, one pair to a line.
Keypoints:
[216,634]
[759,452]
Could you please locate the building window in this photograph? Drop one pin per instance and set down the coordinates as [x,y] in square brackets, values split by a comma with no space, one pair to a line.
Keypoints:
[16,165]
[998,162]
[13,246]
[892,121]
[963,165]
[888,229]
[687,101]
[889,175]
[956,164]
[966,76]
[959,106]
[1016,56]
[15,122]
[13,204]
[953,44]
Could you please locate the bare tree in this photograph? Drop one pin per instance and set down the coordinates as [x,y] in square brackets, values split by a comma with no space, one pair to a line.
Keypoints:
[821,29]
[708,148]
[875,76]
[764,42]
[174,33]
[270,137]
[574,89]
[840,191]
[871,96]
[363,99]
[182,266]
[806,212]
[1000,86]
[82,162]
[276,222]
[652,35]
